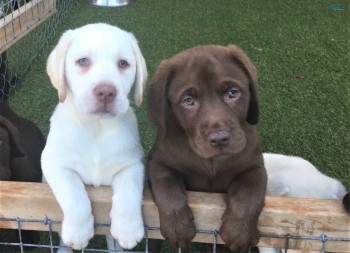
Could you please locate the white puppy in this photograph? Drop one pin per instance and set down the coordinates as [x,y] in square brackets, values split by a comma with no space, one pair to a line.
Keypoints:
[93,136]
[292,176]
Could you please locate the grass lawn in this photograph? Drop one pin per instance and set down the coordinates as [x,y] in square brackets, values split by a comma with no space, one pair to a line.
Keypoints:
[301,50]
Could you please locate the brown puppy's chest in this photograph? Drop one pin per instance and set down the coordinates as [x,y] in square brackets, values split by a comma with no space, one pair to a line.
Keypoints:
[212,176]
[217,183]
[205,175]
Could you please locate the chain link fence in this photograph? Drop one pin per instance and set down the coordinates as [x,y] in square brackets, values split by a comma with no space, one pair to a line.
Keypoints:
[50,243]
[17,18]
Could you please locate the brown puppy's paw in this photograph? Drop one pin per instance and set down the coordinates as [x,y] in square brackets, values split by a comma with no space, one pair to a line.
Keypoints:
[237,235]
[178,227]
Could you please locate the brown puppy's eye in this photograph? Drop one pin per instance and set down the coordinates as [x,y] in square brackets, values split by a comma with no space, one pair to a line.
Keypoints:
[233,93]
[123,64]
[188,101]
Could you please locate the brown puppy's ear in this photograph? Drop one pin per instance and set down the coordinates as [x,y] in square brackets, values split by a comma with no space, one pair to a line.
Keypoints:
[16,150]
[158,106]
[242,59]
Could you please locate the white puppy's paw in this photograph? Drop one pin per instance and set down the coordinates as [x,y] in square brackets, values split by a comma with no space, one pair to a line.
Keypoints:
[128,234]
[76,234]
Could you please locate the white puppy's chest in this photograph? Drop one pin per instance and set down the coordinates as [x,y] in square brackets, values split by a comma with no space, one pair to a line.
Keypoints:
[98,160]
[98,149]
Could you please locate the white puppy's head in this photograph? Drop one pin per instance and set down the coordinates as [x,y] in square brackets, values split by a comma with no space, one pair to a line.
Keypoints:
[95,67]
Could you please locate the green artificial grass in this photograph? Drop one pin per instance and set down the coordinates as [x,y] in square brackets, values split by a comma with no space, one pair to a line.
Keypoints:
[300,48]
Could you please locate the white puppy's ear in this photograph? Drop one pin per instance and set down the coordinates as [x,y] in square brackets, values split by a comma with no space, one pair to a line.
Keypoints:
[141,71]
[56,65]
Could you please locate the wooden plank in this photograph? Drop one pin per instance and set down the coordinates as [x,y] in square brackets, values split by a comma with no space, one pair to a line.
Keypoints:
[19,23]
[281,216]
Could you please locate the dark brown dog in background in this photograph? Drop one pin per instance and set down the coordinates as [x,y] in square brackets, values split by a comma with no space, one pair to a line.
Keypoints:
[346,202]
[205,106]
[21,144]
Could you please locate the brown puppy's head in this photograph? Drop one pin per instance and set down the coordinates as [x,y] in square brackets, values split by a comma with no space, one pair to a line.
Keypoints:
[210,91]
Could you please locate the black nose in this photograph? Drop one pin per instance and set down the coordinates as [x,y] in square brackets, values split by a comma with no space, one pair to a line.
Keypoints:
[219,139]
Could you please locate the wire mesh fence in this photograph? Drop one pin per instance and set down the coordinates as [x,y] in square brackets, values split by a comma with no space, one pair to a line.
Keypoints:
[293,223]
[17,18]
[51,244]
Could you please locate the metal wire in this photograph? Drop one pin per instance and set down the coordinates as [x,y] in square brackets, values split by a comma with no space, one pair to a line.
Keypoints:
[50,244]
[146,237]
[16,61]
[286,243]
[215,240]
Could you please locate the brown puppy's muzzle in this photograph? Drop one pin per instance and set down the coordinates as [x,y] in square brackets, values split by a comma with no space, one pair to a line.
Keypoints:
[216,139]
[219,139]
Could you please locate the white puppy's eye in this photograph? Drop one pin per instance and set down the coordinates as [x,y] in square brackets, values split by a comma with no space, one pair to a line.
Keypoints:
[83,61]
[123,64]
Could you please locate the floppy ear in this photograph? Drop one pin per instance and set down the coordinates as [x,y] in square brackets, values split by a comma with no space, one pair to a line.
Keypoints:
[56,65]
[141,71]
[242,59]
[16,150]
[158,106]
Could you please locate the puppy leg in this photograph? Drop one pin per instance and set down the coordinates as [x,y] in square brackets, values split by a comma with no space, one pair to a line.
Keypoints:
[176,218]
[126,216]
[246,196]
[78,221]
[277,185]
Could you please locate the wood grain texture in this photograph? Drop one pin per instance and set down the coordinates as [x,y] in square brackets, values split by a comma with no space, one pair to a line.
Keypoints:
[281,216]
[20,22]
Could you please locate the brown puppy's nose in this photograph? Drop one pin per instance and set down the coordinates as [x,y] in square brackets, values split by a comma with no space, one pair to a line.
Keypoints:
[219,139]
[105,93]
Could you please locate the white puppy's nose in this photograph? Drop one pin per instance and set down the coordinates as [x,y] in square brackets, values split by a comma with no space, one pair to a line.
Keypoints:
[105,93]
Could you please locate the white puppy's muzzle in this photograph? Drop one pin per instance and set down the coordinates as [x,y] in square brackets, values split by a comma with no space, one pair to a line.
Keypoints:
[104,95]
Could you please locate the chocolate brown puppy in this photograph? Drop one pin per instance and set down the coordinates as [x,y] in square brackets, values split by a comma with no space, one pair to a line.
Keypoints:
[21,144]
[205,106]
